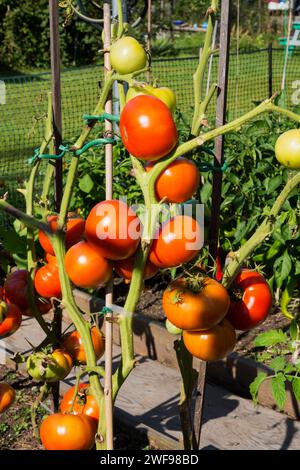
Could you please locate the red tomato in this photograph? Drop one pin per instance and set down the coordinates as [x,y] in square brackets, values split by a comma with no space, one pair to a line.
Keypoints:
[75,231]
[147,128]
[114,229]
[86,266]
[124,268]
[213,344]
[10,318]
[67,432]
[84,402]
[16,288]
[177,242]
[252,302]
[72,342]
[46,281]
[178,182]
[50,258]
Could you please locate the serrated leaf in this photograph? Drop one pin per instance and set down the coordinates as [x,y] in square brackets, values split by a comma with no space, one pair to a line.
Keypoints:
[278,390]
[296,387]
[254,386]
[86,183]
[277,364]
[289,368]
[270,338]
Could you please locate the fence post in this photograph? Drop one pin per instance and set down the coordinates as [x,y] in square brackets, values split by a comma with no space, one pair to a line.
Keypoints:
[217,187]
[270,68]
[57,137]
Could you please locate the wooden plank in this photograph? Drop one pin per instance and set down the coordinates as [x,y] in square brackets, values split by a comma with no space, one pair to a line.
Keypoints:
[149,402]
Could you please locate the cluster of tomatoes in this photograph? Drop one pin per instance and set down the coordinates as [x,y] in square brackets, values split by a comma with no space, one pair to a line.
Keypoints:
[207,315]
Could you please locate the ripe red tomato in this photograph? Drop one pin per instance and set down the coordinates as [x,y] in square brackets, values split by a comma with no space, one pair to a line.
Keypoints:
[72,342]
[67,432]
[147,128]
[10,318]
[124,268]
[178,182]
[251,301]
[213,344]
[86,266]
[7,396]
[75,231]
[114,229]
[84,402]
[195,304]
[177,242]
[46,281]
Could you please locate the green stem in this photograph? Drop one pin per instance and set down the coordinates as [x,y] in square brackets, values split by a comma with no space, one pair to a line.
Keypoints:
[198,77]
[263,231]
[28,220]
[44,390]
[120,19]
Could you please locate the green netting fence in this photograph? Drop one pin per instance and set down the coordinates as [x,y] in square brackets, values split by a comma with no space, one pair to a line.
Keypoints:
[21,117]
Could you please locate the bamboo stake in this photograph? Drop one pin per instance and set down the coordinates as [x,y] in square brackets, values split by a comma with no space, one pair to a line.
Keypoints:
[109,290]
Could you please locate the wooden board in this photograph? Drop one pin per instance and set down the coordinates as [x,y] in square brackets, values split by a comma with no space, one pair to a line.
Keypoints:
[149,401]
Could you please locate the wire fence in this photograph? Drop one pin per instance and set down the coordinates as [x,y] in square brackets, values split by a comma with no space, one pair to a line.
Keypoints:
[22,115]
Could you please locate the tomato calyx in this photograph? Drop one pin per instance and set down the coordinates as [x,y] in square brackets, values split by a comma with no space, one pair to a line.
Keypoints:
[236,294]
[195,282]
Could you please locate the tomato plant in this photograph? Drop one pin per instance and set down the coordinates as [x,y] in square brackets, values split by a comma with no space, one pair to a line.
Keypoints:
[10,318]
[7,396]
[177,241]
[114,229]
[84,402]
[251,300]
[74,232]
[178,182]
[86,266]
[73,343]
[213,344]
[49,367]
[147,128]
[127,55]
[287,149]
[67,432]
[46,281]
[195,303]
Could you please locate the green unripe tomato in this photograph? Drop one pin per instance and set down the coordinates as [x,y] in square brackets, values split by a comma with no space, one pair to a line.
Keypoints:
[166,95]
[287,149]
[172,329]
[49,367]
[127,55]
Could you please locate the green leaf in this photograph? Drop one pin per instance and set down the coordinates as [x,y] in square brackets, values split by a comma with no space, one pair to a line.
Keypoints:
[293,330]
[278,390]
[296,387]
[277,364]
[86,183]
[289,368]
[254,386]
[270,338]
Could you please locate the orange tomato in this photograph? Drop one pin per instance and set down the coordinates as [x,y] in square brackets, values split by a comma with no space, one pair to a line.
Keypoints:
[72,342]
[192,304]
[86,266]
[213,344]
[84,402]
[74,233]
[46,281]
[11,318]
[178,182]
[7,396]
[124,268]
[67,432]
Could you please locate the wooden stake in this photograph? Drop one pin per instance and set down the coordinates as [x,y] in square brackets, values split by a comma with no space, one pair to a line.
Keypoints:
[217,187]
[57,130]
[108,193]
